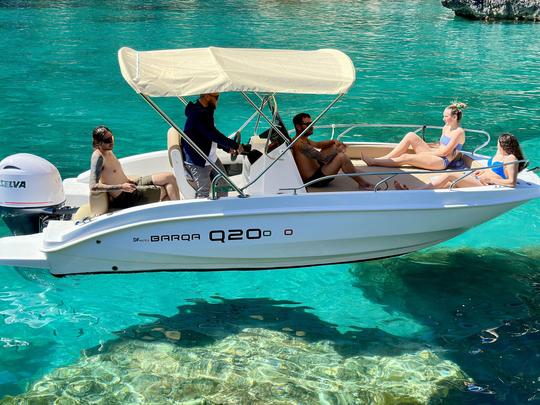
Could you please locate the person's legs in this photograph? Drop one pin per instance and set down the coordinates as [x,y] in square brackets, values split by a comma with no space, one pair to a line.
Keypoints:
[420,160]
[411,139]
[148,181]
[443,181]
[167,181]
[469,181]
[399,186]
[342,161]
[127,200]
[201,179]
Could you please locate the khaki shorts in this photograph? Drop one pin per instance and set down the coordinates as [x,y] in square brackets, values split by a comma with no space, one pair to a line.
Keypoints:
[146,193]
[145,181]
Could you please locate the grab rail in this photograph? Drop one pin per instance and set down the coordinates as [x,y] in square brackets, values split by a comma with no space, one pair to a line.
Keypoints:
[417,128]
[391,175]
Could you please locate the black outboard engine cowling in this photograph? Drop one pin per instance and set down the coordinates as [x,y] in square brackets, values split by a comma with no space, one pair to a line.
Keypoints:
[30,191]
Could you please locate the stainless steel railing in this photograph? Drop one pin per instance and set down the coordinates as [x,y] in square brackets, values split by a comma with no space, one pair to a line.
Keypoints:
[415,128]
[391,175]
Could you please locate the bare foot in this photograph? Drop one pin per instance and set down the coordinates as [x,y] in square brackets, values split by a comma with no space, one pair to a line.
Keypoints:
[399,186]
[367,159]
[361,182]
[366,187]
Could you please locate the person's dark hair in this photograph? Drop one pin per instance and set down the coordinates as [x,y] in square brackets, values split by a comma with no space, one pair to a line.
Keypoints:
[298,118]
[98,134]
[456,109]
[510,144]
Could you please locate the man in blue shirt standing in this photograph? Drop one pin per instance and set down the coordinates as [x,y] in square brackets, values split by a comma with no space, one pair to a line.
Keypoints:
[201,129]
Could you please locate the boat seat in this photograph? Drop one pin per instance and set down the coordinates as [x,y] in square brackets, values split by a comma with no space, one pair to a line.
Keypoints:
[98,203]
[176,159]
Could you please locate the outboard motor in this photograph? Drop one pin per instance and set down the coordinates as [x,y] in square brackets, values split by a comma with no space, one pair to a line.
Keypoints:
[30,192]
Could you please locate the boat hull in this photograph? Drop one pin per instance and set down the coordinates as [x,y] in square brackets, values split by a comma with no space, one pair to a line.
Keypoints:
[266,232]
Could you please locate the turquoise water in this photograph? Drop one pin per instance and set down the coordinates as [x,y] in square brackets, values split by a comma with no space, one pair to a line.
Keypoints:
[473,301]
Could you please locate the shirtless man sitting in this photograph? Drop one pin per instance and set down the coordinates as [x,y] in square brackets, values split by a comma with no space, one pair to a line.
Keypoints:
[106,175]
[319,159]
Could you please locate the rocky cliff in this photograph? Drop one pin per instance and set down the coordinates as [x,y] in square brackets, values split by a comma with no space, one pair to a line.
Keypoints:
[495,9]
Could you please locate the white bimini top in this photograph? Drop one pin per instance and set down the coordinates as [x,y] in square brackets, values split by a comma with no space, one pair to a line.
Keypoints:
[188,72]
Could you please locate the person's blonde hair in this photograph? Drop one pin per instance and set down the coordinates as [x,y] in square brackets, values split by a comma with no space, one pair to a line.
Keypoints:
[456,109]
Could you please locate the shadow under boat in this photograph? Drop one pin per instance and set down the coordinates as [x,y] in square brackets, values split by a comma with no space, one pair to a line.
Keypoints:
[202,323]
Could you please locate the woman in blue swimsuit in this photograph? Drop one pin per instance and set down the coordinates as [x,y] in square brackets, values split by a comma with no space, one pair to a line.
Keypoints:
[508,150]
[433,157]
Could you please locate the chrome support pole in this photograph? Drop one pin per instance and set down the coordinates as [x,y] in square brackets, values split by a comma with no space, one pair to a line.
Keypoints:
[255,114]
[262,114]
[213,187]
[460,178]
[256,128]
[345,132]
[376,188]
[484,144]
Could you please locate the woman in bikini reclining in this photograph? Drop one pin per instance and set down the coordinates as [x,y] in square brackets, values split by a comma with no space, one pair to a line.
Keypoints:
[508,150]
[432,157]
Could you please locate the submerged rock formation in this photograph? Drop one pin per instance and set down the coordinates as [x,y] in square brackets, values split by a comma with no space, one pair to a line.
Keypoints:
[495,9]
[256,366]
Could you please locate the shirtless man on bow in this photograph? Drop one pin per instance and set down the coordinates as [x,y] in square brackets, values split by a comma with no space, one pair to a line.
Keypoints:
[107,175]
[319,159]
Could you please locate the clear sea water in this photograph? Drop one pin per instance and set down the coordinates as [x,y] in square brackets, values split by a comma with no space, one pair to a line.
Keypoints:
[474,300]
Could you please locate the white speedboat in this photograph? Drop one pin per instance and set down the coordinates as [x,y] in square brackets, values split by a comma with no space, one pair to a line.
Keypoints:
[270,219]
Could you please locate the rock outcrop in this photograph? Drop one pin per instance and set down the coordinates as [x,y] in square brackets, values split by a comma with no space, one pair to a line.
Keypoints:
[495,9]
[256,366]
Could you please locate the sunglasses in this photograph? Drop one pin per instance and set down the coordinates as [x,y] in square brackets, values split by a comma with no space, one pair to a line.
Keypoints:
[107,140]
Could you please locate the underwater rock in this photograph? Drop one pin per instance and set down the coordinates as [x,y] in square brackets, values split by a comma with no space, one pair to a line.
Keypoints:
[173,334]
[256,366]
[495,9]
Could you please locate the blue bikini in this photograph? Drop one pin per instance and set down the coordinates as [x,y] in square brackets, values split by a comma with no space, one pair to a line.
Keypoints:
[497,169]
[445,140]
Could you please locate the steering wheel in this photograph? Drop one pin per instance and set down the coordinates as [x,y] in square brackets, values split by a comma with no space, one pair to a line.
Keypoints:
[237,138]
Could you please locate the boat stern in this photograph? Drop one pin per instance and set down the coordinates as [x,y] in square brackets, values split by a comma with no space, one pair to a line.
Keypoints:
[23,251]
